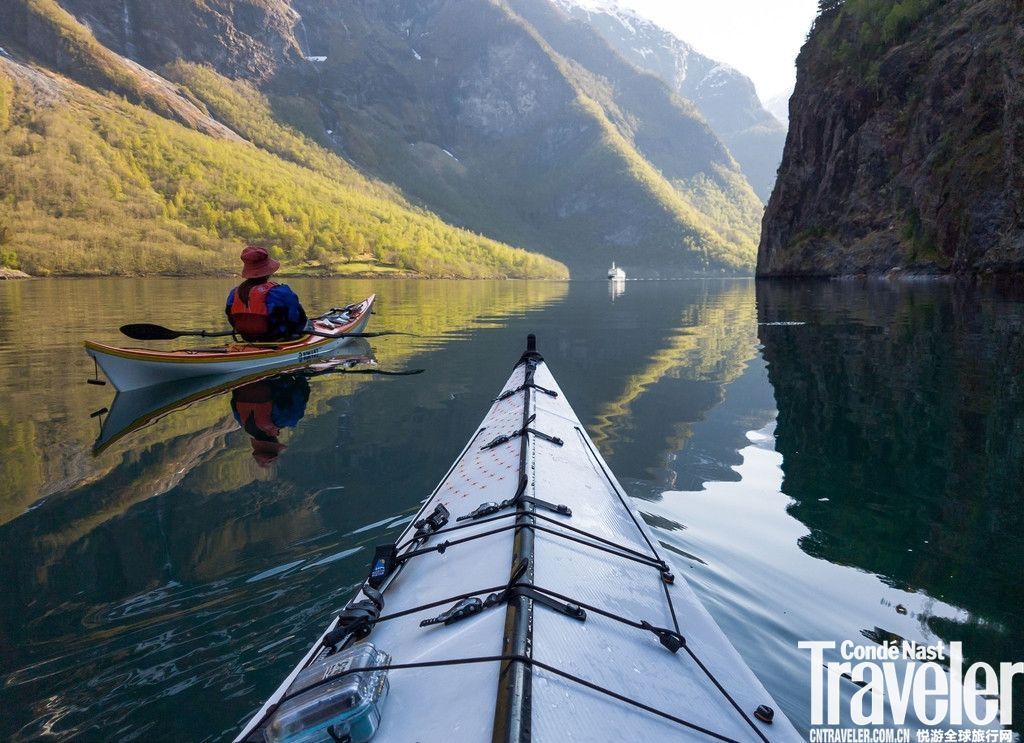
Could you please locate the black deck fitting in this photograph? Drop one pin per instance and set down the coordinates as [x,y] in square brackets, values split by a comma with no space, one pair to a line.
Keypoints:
[531,352]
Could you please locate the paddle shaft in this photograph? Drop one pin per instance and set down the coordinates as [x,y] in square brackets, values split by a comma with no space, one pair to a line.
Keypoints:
[151,332]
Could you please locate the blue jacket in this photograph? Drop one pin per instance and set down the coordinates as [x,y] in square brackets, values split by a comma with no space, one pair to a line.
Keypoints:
[287,317]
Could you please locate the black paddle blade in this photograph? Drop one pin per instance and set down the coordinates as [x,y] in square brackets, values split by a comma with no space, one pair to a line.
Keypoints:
[144,331]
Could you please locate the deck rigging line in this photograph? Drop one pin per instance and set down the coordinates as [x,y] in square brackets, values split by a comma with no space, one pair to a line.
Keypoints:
[668,595]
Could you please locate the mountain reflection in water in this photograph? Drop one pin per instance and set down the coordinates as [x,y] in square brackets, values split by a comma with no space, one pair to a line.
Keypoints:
[814,456]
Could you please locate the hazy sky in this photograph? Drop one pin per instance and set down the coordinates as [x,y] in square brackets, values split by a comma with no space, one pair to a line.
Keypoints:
[759,38]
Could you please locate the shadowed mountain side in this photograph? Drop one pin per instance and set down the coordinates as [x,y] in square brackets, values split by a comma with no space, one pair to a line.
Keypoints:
[663,127]
[901,434]
[469,110]
[118,170]
[905,148]
[243,38]
[49,34]
[530,131]
[94,185]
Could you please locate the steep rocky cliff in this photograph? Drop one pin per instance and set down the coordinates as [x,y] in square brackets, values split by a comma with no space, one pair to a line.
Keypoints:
[906,143]
[724,96]
[242,38]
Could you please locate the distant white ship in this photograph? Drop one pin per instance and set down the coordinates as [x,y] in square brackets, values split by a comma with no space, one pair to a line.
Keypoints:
[615,273]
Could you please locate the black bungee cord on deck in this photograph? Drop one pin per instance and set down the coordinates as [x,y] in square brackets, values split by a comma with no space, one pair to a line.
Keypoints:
[661,565]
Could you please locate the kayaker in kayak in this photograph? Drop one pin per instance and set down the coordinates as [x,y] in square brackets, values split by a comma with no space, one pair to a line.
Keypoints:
[260,309]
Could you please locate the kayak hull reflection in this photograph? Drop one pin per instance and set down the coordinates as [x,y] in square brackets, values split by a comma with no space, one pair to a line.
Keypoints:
[132,410]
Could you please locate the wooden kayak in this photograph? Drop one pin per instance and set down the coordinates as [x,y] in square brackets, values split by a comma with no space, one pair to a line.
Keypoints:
[527,601]
[132,368]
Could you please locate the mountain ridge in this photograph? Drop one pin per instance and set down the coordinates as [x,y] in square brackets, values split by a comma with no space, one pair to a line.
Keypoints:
[452,107]
[91,184]
[724,96]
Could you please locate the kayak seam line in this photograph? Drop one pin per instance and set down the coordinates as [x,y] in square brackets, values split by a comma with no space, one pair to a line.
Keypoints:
[513,708]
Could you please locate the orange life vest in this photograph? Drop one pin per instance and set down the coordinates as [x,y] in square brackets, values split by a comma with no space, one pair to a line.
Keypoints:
[252,319]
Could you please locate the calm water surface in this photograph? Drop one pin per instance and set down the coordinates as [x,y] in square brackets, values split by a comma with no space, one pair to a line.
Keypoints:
[826,461]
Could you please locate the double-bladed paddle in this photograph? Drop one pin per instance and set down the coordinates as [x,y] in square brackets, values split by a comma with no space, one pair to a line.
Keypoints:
[145,331]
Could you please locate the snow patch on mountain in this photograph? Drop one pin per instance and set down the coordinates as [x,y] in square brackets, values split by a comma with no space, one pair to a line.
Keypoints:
[627,17]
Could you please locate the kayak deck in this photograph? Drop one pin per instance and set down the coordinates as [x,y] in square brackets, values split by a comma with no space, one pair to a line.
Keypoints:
[132,368]
[591,635]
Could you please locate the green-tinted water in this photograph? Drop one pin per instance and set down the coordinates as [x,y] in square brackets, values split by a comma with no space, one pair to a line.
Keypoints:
[854,476]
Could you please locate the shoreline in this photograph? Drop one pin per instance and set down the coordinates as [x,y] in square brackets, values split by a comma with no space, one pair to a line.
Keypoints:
[902,276]
[894,276]
[384,276]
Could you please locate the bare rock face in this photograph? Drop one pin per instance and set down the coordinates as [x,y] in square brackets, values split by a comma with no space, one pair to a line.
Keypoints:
[46,32]
[506,118]
[906,154]
[508,89]
[239,38]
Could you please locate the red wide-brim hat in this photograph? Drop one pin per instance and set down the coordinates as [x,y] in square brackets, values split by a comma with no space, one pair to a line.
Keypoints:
[257,263]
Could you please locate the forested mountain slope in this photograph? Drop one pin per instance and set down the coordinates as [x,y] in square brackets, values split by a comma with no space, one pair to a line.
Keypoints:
[126,172]
[486,115]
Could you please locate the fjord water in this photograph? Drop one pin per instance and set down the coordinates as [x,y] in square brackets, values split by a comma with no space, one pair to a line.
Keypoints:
[824,462]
